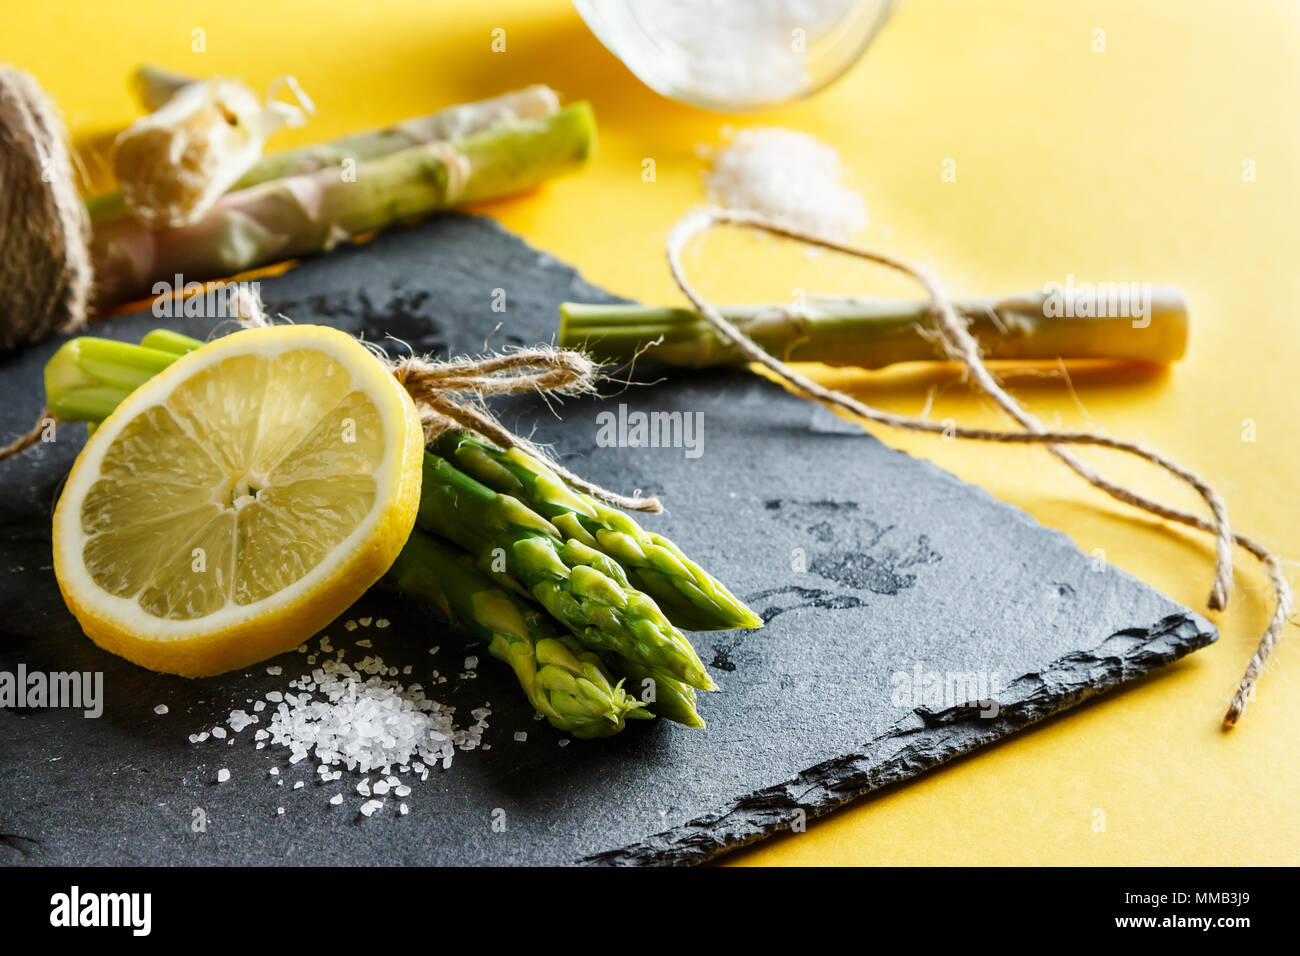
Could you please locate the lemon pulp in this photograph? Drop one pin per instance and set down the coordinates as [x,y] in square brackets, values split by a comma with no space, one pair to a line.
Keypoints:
[255,488]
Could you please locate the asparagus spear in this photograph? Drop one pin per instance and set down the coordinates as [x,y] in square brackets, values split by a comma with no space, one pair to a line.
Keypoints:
[154,87]
[577,584]
[669,698]
[557,673]
[310,213]
[873,333]
[687,594]
[564,682]
[88,377]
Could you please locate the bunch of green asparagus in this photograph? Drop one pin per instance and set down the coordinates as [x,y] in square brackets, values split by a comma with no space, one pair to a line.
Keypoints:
[511,554]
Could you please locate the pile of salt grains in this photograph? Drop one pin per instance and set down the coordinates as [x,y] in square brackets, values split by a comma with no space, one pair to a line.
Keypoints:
[359,719]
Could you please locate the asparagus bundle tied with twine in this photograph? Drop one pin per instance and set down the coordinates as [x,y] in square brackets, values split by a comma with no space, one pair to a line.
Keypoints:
[616,631]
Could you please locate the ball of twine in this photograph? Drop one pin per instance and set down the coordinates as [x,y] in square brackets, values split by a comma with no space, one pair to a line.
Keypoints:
[45,270]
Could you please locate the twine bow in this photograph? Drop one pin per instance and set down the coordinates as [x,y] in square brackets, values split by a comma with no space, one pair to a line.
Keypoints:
[450,393]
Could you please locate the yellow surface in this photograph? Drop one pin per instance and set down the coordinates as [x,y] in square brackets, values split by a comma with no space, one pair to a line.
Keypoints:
[1122,165]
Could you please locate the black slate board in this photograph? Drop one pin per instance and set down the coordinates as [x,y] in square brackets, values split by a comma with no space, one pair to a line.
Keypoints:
[905,568]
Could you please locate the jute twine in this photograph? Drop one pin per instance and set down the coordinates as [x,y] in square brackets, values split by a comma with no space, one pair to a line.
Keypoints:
[953,336]
[45,272]
[451,394]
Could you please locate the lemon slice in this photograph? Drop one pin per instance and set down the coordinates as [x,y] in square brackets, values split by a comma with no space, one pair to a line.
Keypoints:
[239,501]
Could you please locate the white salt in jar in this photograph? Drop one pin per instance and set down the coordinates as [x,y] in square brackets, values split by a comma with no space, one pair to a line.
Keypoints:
[732,55]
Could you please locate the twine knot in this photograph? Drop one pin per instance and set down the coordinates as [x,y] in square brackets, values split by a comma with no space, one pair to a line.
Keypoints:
[450,393]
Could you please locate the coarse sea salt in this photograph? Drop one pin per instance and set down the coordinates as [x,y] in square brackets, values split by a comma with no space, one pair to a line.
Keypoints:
[352,716]
[356,718]
[788,176]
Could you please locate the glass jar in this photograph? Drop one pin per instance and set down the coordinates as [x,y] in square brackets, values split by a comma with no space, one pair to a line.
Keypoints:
[734,55]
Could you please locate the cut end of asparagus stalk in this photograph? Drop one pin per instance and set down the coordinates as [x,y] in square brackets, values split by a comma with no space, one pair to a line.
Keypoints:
[88,377]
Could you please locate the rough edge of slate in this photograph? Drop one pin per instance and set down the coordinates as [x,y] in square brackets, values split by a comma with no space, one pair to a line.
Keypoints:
[920,741]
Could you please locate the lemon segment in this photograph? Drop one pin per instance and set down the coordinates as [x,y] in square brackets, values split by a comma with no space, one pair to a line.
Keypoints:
[239,501]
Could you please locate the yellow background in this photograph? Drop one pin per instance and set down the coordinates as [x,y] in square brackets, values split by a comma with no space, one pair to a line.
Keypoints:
[1121,165]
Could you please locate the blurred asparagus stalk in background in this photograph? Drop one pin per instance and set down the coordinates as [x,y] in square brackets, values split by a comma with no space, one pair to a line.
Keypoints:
[155,86]
[310,213]
[307,200]
[874,333]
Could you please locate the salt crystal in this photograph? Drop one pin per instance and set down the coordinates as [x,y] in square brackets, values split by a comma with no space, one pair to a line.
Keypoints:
[160,709]
[336,799]
[219,733]
[223,775]
[521,736]
[275,670]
